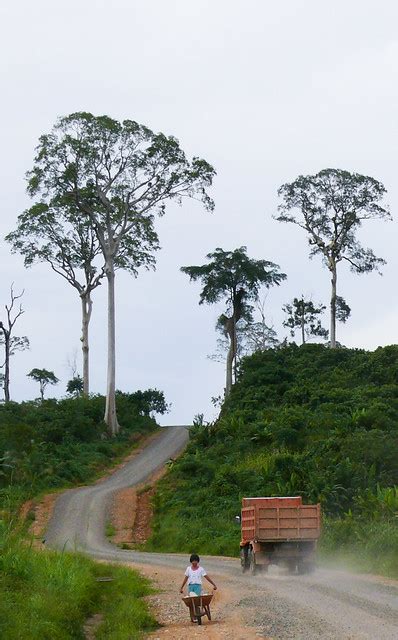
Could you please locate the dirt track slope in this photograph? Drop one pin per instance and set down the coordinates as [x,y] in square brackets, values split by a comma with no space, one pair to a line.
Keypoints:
[329,605]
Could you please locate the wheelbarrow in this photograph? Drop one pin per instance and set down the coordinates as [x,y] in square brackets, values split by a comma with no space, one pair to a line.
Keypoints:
[199,606]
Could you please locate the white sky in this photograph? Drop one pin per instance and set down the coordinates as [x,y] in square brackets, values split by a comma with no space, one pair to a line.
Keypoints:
[262,90]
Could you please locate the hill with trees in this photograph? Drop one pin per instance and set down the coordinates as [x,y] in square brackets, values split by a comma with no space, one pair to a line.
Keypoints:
[311,421]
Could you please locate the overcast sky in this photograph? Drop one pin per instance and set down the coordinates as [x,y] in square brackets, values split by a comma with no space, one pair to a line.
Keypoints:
[264,91]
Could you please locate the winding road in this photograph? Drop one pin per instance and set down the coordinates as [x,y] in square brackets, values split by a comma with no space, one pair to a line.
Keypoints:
[328,605]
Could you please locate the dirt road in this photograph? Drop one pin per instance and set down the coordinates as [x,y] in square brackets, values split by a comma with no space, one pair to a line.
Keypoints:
[329,605]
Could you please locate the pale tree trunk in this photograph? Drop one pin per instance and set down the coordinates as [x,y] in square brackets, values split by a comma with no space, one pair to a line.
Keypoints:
[110,416]
[87,306]
[303,329]
[235,346]
[7,368]
[333,308]
[230,359]
[231,355]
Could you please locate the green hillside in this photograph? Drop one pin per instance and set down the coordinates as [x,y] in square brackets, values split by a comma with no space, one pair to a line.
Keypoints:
[59,443]
[46,446]
[307,421]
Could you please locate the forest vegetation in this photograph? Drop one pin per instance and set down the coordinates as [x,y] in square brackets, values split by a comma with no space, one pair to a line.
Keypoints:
[45,446]
[317,420]
[311,421]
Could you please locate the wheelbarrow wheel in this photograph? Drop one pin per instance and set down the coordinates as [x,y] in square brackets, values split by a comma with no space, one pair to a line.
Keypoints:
[198,614]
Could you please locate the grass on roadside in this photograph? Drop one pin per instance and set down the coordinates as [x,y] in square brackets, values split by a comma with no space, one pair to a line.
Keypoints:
[48,596]
[360,545]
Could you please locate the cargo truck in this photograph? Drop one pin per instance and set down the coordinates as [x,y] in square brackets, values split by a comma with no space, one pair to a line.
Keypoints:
[279,531]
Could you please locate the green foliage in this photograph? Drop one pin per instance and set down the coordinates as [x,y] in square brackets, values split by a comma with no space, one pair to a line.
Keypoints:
[227,272]
[310,421]
[331,207]
[150,401]
[43,377]
[235,278]
[54,443]
[48,596]
[304,315]
[75,386]
[116,177]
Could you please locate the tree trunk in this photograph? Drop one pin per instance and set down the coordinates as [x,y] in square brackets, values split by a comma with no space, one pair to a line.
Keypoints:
[303,329]
[230,359]
[87,306]
[333,308]
[110,416]
[234,346]
[7,368]
[42,390]
[230,329]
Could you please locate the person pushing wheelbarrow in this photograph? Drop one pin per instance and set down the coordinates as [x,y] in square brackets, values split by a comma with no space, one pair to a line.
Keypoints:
[193,576]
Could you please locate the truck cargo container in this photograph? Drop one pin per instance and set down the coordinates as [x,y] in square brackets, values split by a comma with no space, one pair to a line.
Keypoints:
[279,531]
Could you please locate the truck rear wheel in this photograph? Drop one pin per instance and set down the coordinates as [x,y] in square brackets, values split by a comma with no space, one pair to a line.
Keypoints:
[244,561]
[252,562]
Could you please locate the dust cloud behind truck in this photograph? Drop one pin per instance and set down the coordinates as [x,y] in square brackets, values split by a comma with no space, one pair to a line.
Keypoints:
[279,531]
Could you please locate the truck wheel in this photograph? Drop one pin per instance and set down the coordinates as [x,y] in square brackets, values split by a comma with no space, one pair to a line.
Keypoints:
[252,560]
[244,560]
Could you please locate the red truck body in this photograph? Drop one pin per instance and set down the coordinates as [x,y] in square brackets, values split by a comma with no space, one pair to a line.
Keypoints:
[279,531]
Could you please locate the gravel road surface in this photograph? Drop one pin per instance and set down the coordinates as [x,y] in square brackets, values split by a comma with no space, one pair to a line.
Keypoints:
[329,605]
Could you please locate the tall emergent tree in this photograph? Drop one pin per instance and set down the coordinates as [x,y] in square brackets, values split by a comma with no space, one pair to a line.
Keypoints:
[115,177]
[234,277]
[11,343]
[44,378]
[331,206]
[66,241]
[304,315]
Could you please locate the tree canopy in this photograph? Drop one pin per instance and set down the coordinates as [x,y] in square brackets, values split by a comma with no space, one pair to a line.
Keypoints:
[304,315]
[235,278]
[331,207]
[43,377]
[116,176]
[60,237]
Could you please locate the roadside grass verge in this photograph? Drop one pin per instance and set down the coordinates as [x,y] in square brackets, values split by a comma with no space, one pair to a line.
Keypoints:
[126,615]
[48,596]
[370,547]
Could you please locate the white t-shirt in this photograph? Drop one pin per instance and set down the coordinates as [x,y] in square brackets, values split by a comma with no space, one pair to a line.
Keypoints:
[195,576]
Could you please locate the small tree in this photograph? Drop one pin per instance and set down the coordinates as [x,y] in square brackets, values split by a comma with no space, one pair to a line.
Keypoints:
[44,378]
[304,315]
[235,278]
[75,386]
[116,177]
[150,401]
[258,336]
[331,206]
[11,343]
